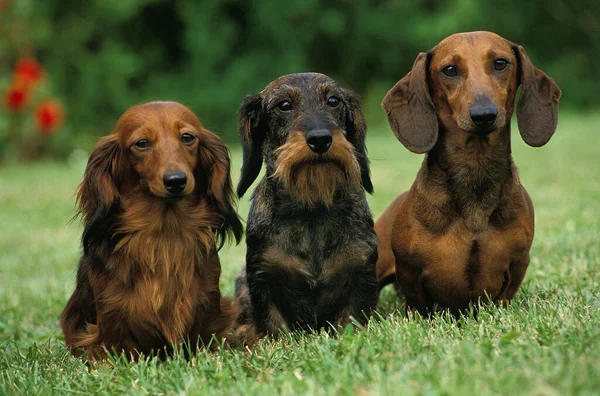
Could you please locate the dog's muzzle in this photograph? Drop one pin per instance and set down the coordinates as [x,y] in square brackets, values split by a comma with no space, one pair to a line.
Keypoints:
[319,140]
[483,114]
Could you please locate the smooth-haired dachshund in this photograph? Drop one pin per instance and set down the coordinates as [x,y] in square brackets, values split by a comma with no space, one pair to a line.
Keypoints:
[310,237]
[463,232]
[157,204]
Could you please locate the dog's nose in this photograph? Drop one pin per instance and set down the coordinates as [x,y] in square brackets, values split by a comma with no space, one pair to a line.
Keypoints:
[175,182]
[483,116]
[319,140]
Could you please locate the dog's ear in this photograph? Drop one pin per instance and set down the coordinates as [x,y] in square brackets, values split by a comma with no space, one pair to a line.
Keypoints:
[356,130]
[214,168]
[410,111]
[99,190]
[537,109]
[252,137]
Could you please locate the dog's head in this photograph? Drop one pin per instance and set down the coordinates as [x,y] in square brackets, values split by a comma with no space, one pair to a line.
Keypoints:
[160,151]
[311,134]
[468,83]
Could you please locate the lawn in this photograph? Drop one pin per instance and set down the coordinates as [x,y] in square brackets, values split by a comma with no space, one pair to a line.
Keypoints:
[547,342]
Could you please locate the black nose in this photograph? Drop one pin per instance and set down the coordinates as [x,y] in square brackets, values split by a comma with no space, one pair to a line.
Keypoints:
[175,182]
[483,116]
[319,140]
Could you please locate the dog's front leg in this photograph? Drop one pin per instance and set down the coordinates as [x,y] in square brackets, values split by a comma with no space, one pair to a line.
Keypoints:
[110,334]
[265,315]
[360,308]
[514,278]
[411,282]
[363,295]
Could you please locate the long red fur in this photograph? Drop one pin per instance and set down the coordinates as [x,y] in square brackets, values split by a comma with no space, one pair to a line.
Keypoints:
[152,279]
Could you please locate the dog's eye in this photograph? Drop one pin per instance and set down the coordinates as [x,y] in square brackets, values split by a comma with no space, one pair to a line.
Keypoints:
[450,71]
[142,144]
[500,64]
[187,138]
[333,101]
[285,105]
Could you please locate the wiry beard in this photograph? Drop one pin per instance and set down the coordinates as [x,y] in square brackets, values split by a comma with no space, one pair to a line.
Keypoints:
[312,178]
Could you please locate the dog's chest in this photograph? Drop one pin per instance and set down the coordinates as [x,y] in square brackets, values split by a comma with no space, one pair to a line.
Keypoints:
[162,275]
[313,253]
[460,266]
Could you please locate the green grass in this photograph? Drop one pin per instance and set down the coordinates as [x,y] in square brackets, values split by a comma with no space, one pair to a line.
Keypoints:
[546,342]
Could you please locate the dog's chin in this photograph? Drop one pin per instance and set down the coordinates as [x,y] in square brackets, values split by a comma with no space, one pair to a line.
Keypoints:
[173,198]
[481,132]
[170,198]
[472,130]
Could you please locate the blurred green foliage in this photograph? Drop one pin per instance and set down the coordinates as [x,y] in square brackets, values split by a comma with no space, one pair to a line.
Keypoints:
[103,56]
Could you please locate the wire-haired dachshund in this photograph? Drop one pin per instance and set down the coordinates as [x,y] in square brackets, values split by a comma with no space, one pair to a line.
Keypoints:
[157,204]
[463,232]
[310,237]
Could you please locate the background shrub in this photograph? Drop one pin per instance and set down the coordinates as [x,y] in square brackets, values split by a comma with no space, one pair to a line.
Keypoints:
[103,56]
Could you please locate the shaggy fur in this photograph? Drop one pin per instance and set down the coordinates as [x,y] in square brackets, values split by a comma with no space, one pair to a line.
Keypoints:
[312,249]
[462,233]
[316,178]
[148,278]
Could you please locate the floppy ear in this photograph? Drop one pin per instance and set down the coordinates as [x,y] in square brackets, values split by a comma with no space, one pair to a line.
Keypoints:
[537,109]
[356,129]
[410,111]
[214,167]
[99,191]
[252,138]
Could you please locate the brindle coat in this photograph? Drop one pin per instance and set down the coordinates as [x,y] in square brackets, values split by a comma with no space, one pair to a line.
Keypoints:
[464,229]
[311,244]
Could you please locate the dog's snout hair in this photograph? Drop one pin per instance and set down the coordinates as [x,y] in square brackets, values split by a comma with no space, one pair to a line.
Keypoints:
[312,178]
[315,118]
[310,239]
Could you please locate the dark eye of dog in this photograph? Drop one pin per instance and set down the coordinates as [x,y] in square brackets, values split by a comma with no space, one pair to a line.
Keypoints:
[142,144]
[450,71]
[500,64]
[333,101]
[285,105]
[187,138]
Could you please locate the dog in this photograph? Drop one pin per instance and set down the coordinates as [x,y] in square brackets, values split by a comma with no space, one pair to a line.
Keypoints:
[463,232]
[157,204]
[311,245]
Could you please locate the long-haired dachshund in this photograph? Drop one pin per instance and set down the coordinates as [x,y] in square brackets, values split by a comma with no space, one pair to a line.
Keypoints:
[157,204]
[463,231]
[311,244]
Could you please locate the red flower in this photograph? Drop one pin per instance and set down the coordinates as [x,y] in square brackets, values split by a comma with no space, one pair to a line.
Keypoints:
[29,71]
[49,116]
[4,4]
[16,97]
